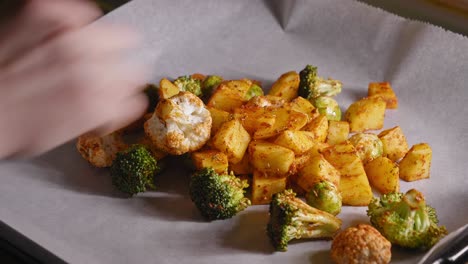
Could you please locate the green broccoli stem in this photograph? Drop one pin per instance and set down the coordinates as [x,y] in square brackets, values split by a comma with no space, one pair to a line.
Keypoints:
[313,226]
[413,206]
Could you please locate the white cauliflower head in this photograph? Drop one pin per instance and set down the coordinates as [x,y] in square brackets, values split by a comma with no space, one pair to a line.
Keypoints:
[180,124]
[100,151]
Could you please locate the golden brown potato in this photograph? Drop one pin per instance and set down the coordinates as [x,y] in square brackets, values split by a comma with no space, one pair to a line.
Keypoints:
[315,170]
[210,159]
[383,175]
[366,114]
[319,128]
[232,139]
[416,164]
[284,119]
[263,187]
[167,89]
[230,95]
[254,118]
[354,185]
[299,162]
[286,86]
[268,101]
[243,167]
[218,117]
[384,91]
[394,143]
[292,184]
[270,158]
[298,141]
[302,105]
[338,132]
[318,148]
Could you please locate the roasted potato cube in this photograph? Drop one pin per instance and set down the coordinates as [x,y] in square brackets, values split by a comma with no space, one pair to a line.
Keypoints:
[338,132]
[297,120]
[416,164]
[385,91]
[167,89]
[292,184]
[366,114]
[302,105]
[286,86]
[298,141]
[243,167]
[254,118]
[270,158]
[284,119]
[210,159]
[299,163]
[218,118]
[354,185]
[263,187]
[383,175]
[232,139]
[230,95]
[394,143]
[317,169]
[318,148]
[268,101]
[319,128]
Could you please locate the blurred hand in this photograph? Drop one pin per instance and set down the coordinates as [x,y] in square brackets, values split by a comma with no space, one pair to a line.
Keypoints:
[60,79]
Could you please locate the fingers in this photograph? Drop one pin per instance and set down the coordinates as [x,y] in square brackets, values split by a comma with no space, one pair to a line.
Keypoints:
[81,62]
[64,81]
[97,44]
[127,112]
[46,128]
[38,21]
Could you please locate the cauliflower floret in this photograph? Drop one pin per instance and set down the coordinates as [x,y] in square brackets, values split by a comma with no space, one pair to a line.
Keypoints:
[179,124]
[360,244]
[100,151]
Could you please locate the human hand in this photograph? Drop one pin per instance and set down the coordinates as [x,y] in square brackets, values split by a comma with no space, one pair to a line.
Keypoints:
[60,79]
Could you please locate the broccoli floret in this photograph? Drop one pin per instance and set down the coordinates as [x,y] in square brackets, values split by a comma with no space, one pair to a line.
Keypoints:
[151,92]
[291,218]
[210,83]
[218,196]
[254,90]
[406,220]
[325,196]
[312,86]
[133,170]
[189,84]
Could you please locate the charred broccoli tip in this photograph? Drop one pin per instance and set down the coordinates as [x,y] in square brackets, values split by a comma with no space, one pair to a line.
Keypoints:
[217,196]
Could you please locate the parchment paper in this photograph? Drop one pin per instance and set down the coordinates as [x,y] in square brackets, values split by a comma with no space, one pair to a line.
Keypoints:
[63,204]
